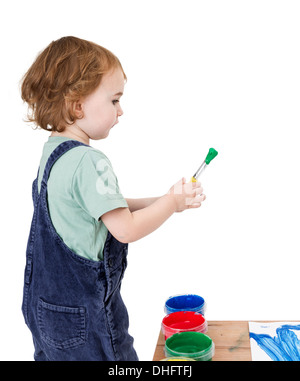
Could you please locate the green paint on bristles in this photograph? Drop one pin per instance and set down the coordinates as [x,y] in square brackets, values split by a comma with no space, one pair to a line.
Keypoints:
[212,153]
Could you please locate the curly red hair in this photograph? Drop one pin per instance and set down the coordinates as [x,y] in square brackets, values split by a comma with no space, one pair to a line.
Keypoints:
[67,70]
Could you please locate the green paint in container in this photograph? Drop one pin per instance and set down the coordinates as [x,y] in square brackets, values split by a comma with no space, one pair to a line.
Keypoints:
[194,345]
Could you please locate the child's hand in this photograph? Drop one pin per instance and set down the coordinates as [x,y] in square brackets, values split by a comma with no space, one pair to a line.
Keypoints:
[127,226]
[186,195]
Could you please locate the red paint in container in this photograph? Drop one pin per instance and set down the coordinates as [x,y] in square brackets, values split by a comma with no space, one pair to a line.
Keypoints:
[183,321]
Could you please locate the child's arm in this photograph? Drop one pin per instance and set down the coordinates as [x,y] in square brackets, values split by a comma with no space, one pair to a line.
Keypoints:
[140,203]
[127,226]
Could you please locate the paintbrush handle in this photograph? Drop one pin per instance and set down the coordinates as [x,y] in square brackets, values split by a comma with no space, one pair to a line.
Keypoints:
[199,171]
[212,153]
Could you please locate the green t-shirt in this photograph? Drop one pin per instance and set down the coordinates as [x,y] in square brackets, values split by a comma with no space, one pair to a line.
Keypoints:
[81,188]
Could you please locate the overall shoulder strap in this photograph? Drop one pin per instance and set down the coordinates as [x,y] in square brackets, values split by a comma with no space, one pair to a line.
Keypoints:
[56,154]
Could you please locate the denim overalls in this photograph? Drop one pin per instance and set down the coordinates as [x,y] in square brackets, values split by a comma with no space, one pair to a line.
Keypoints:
[73,305]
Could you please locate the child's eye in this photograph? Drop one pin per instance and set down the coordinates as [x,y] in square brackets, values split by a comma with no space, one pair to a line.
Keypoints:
[115,101]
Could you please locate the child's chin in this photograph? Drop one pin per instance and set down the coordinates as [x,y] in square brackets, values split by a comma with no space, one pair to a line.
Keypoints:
[99,137]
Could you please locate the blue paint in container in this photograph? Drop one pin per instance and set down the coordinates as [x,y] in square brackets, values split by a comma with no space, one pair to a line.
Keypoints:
[186,302]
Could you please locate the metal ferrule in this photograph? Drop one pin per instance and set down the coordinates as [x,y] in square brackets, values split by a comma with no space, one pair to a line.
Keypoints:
[200,170]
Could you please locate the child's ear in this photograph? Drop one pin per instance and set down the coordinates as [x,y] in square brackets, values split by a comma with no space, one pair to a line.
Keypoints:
[78,109]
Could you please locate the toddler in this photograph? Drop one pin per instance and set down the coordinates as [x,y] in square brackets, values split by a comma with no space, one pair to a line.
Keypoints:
[82,224]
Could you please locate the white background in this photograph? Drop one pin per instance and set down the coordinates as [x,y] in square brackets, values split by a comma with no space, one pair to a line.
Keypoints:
[201,74]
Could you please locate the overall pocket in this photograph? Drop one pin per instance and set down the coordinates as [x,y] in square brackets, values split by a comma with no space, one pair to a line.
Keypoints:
[61,327]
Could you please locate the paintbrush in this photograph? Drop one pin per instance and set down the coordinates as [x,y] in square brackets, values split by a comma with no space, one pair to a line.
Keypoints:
[212,153]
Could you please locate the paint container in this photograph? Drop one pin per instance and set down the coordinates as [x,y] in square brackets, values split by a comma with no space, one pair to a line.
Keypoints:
[183,321]
[177,359]
[186,302]
[194,345]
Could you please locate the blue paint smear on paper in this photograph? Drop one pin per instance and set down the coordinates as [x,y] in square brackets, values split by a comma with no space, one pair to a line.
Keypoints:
[283,347]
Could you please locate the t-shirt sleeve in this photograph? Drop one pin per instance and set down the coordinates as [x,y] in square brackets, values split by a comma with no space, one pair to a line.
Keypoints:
[95,186]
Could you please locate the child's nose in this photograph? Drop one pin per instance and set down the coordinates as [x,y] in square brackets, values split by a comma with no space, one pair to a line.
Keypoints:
[120,111]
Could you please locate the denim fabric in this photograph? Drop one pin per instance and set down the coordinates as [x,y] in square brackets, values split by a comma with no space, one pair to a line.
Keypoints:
[72,305]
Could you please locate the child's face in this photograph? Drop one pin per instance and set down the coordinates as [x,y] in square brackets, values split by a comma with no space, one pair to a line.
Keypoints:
[101,109]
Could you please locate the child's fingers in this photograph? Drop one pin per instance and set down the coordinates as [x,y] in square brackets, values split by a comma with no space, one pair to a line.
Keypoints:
[199,191]
[196,184]
[196,201]
[195,205]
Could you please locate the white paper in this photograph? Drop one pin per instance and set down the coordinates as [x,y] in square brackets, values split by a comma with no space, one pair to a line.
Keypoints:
[276,341]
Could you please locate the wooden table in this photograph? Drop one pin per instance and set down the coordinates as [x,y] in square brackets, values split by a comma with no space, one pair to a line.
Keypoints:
[231,339]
